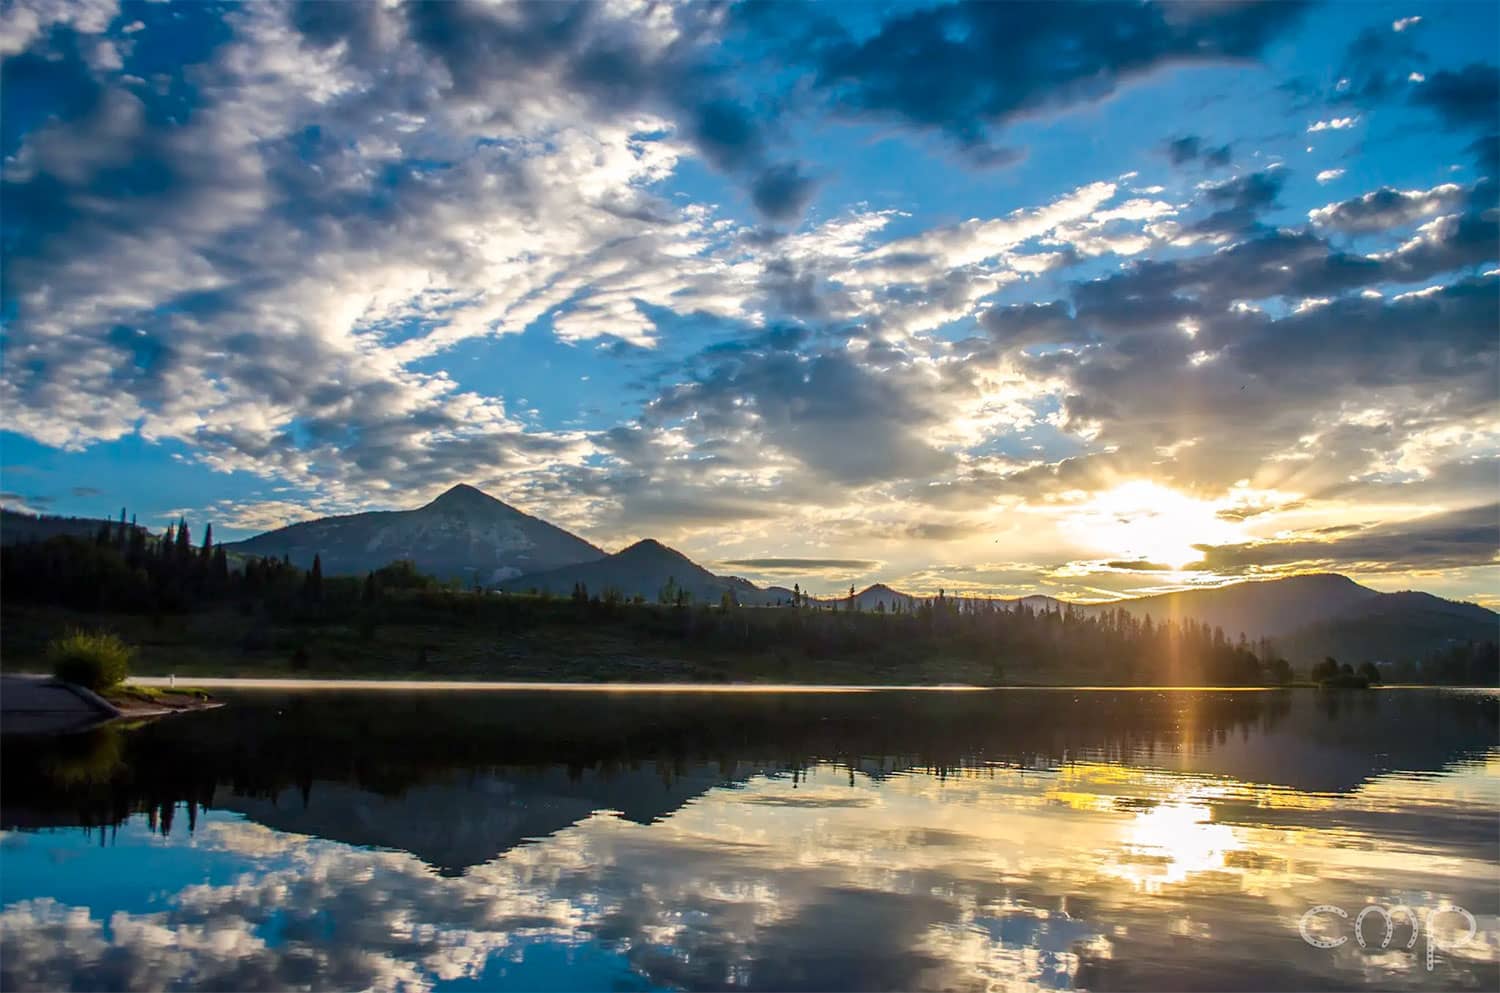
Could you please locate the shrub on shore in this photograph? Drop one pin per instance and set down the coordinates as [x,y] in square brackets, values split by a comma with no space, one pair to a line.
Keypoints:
[90,659]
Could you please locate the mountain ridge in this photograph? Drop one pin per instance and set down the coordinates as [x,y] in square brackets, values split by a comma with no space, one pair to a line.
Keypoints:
[466,533]
[463,533]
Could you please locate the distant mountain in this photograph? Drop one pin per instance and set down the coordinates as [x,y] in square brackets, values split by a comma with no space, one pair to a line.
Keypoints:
[1308,617]
[645,569]
[882,596]
[17,527]
[1391,627]
[1267,608]
[465,533]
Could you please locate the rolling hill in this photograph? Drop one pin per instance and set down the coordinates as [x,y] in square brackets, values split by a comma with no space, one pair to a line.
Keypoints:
[644,569]
[17,527]
[1268,608]
[465,534]
[1390,627]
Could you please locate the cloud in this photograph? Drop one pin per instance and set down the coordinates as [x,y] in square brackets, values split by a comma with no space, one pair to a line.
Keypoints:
[274,255]
[1468,98]
[1239,202]
[28,20]
[968,69]
[1138,565]
[1334,124]
[1387,208]
[799,565]
[1457,539]
[782,192]
[1190,148]
[1376,67]
[278,261]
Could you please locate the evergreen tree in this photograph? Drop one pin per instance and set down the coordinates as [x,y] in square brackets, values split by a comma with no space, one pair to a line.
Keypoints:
[184,543]
[314,585]
[220,567]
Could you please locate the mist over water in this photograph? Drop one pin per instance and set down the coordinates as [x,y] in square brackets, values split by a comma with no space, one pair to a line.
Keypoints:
[540,840]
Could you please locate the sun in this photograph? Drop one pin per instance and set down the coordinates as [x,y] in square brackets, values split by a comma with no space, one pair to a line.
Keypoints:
[1143,520]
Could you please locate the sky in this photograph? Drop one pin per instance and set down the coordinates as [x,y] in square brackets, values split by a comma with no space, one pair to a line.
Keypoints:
[995,298]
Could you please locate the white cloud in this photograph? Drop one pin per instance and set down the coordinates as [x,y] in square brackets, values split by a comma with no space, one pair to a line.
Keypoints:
[1335,124]
[1329,175]
[27,20]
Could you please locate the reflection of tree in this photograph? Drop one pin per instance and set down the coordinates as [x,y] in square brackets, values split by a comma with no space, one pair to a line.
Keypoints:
[385,743]
[85,760]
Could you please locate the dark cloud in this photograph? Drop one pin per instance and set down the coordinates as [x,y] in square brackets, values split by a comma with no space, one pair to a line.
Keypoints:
[846,419]
[1184,149]
[782,192]
[1377,63]
[1138,565]
[1239,202]
[967,69]
[1468,98]
[1020,325]
[1486,152]
[727,134]
[1387,208]
[1454,540]
[1190,148]
[586,47]
[794,565]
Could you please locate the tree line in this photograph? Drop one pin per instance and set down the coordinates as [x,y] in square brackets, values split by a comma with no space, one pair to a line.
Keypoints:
[125,569]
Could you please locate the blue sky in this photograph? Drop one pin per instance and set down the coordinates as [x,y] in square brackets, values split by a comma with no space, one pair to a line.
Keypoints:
[997,297]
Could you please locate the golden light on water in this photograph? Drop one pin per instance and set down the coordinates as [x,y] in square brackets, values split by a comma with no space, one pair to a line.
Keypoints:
[1172,842]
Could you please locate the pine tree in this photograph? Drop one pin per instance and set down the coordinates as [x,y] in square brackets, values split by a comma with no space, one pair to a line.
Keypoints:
[136,549]
[314,585]
[184,542]
[208,541]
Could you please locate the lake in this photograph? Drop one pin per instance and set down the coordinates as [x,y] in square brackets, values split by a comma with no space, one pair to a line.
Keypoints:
[1006,839]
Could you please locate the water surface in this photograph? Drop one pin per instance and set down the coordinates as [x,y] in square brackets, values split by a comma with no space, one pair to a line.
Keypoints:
[877,840]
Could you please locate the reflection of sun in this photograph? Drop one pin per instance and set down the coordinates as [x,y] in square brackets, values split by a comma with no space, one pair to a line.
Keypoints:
[1145,520]
[1173,841]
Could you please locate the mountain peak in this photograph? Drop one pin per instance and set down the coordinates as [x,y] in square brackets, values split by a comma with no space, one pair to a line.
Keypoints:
[650,547]
[463,495]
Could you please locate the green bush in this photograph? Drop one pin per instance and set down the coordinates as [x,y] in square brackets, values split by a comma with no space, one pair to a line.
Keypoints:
[96,661]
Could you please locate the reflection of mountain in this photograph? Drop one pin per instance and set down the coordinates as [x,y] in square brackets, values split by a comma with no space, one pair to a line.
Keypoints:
[458,778]
[466,819]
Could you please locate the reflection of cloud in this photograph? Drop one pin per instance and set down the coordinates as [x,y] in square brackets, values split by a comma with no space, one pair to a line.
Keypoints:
[996,877]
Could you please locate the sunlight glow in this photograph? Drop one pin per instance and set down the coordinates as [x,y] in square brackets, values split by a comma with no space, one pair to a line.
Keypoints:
[1145,520]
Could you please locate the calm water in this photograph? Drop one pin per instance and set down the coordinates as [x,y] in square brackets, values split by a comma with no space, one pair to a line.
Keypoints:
[523,840]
